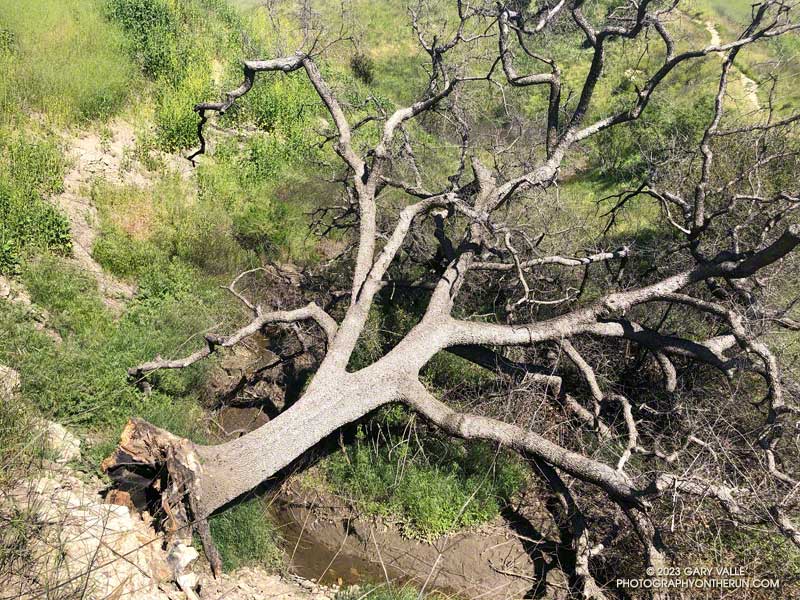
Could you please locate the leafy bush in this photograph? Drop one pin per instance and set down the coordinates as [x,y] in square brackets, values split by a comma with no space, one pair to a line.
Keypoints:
[279,102]
[175,44]
[153,29]
[433,486]
[622,153]
[264,217]
[124,256]
[260,226]
[245,536]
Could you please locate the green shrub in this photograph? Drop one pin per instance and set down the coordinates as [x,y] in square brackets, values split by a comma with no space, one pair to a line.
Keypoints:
[279,102]
[204,239]
[622,153]
[124,256]
[261,226]
[68,293]
[166,279]
[175,119]
[245,536]
[176,45]
[153,30]
[264,219]
[363,67]
[28,222]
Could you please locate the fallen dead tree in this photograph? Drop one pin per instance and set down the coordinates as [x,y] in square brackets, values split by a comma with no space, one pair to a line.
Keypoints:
[474,241]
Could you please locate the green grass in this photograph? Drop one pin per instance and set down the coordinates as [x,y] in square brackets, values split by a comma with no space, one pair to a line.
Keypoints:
[62,58]
[142,230]
[245,536]
[380,592]
[82,381]
[430,484]
[31,169]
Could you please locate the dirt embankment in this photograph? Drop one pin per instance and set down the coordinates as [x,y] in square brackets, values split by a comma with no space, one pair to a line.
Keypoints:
[107,156]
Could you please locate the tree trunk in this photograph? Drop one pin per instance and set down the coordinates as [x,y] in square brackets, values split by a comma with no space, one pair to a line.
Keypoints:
[238,466]
[225,471]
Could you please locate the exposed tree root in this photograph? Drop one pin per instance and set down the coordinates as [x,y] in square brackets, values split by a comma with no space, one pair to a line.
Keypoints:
[165,471]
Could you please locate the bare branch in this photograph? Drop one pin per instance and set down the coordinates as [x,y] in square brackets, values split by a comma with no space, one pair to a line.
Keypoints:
[310,311]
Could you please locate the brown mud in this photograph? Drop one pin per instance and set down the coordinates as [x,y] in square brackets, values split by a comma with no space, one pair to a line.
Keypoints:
[327,541]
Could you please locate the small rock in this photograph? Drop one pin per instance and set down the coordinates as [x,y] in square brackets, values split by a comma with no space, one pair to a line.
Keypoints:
[61,442]
[309,585]
[120,498]
[13,292]
[181,556]
[9,382]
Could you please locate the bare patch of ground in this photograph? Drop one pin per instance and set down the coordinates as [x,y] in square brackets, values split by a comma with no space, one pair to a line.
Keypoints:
[91,157]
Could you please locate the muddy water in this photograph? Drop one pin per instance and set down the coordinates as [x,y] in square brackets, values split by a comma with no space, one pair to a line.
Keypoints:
[312,559]
[328,543]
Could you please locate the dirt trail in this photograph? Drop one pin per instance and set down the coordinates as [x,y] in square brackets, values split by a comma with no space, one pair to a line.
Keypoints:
[750,86]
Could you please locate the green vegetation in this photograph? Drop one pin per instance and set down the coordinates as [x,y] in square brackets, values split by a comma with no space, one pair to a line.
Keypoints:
[82,380]
[176,44]
[381,592]
[29,172]
[175,242]
[63,59]
[429,483]
[245,536]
